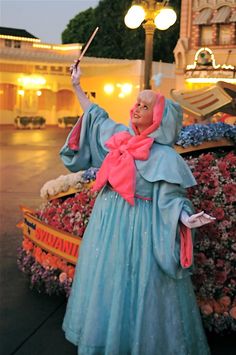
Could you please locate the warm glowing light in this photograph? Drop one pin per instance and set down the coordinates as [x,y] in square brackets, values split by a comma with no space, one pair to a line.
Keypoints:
[16,38]
[134,16]
[44,46]
[225,66]
[31,81]
[126,88]
[38,93]
[210,80]
[193,66]
[63,47]
[109,89]
[21,92]
[67,48]
[165,18]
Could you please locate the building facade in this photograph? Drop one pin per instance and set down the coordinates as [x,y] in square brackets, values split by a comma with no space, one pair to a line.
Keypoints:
[35,79]
[206,50]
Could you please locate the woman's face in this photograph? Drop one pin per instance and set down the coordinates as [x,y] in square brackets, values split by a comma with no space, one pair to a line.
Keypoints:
[142,116]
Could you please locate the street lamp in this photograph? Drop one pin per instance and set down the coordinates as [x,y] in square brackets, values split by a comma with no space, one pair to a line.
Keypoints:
[152,14]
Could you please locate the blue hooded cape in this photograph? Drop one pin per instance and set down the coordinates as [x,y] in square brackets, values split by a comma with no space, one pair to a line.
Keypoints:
[165,168]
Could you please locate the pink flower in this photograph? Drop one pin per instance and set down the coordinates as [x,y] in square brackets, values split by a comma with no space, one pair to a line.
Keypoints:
[62,277]
[232,312]
[225,301]
[218,308]
[206,309]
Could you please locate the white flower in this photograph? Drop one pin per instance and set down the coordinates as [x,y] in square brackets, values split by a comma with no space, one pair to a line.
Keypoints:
[61,184]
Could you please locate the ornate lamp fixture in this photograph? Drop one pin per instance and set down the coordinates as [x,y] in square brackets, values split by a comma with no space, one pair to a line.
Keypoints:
[152,14]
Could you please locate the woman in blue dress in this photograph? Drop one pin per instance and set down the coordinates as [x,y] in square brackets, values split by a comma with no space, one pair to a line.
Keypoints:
[132,293]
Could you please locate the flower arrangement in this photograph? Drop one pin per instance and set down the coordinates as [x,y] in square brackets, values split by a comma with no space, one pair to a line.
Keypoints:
[215,244]
[64,182]
[199,133]
[49,273]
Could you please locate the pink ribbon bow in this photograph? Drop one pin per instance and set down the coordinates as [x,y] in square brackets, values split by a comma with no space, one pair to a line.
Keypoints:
[118,168]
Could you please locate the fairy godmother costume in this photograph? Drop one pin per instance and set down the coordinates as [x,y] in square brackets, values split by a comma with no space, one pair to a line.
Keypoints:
[132,292]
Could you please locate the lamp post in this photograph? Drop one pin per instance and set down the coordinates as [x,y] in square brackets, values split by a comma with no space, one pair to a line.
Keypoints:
[152,14]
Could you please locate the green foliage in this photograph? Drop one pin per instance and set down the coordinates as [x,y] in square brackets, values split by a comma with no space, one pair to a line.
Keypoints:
[114,39]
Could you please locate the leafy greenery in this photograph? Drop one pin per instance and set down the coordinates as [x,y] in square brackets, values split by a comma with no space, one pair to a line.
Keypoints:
[114,39]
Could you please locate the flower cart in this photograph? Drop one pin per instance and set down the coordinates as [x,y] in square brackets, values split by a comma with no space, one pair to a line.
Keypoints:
[52,234]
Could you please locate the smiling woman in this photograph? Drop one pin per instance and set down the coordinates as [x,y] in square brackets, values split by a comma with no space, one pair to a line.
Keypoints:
[142,114]
[132,287]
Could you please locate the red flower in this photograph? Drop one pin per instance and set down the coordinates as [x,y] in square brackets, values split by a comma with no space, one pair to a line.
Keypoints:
[219,213]
[206,309]
[221,276]
[201,258]
[223,167]
[207,206]
[230,159]
[27,244]
[71,272]
[230,192]
[220,263]
[232,312]
[225,301]
[204,177]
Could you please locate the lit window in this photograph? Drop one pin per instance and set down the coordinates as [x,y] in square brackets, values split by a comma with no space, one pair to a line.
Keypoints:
[56,69]
[206,36]
[17,44]
[224,34]
[8,42]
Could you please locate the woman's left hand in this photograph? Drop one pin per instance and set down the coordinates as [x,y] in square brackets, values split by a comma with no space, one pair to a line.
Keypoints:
[196,220]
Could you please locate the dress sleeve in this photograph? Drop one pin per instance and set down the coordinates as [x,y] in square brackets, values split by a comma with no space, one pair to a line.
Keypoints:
[85,145]
[168,202]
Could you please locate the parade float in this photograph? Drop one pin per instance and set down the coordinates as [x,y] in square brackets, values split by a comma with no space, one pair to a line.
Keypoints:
[53,233]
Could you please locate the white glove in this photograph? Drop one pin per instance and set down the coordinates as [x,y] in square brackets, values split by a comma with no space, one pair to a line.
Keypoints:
[196,220]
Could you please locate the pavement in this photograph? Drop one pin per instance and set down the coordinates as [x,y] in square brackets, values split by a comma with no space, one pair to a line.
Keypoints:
[30,323]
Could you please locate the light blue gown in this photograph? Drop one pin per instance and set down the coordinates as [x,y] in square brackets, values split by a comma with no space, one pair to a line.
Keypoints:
[130,295]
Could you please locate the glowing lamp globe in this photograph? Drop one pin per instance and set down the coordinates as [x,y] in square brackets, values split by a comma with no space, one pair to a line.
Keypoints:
[165,18]
[126,88]
[109,89]
[134,16]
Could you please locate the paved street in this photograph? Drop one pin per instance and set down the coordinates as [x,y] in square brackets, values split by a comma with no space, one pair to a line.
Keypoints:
[31,322]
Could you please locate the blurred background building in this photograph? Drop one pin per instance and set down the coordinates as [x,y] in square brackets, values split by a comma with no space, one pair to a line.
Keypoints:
[206,50]
[35,79]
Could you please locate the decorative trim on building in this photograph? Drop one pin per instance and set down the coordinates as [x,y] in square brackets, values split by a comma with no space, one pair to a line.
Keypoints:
[222,15]
[206,70]
[198,5]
